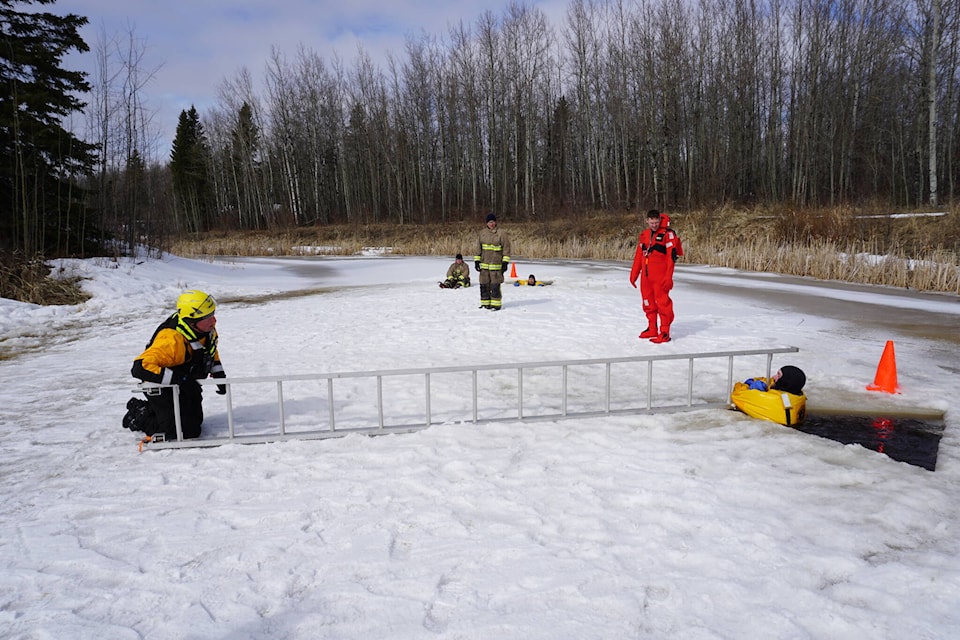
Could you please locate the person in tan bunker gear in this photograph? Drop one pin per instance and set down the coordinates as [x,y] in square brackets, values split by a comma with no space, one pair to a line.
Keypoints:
[458,275]
[492,260]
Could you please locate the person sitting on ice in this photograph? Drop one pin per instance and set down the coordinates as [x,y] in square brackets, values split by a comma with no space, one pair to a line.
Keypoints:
[458,275]
[532,281]
[183,349]
[788,378]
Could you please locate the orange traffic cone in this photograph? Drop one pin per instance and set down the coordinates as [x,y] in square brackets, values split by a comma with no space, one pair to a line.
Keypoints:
[886,378]
[513,269]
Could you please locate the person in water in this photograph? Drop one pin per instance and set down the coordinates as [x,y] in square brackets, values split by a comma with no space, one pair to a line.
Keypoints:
[532,282]
[788,378]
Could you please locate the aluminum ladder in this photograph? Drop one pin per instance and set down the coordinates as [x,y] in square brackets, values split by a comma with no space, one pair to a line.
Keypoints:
[706,387]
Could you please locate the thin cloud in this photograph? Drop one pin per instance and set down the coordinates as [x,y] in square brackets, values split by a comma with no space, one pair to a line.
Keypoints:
[194,46]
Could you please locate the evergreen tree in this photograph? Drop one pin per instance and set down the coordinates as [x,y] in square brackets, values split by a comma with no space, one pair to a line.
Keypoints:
[134,196]
[245,141]
[192,188]
[40,207]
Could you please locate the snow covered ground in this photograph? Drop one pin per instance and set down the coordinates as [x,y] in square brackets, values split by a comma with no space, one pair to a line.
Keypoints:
[699,525]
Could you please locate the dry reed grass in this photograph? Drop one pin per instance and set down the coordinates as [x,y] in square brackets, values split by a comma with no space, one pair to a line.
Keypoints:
[859,245]
[29,280]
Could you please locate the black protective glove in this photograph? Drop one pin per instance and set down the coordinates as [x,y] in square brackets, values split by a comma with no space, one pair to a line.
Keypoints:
[503,267]
[221,388]
[477,265]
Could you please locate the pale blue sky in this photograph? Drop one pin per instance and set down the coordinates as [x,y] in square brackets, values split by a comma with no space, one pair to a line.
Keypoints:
[195,45]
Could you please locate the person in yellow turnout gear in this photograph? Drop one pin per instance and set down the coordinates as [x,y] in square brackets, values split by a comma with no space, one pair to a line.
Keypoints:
[491,260]
[183,349]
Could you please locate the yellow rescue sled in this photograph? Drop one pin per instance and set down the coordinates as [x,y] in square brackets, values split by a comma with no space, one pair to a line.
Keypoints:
[777,406]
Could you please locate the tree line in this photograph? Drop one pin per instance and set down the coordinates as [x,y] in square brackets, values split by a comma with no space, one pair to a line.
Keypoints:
[625,105]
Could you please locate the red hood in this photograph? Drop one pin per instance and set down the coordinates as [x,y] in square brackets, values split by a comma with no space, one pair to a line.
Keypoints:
[664,221]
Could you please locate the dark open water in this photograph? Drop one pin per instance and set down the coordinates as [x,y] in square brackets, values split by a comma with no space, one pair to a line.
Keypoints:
[908,440]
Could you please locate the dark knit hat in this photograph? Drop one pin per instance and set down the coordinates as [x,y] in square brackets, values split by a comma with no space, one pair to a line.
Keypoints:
[459,256]
[491,216]
[791,380]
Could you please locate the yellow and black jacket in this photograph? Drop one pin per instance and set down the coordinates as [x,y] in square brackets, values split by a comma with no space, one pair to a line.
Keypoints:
[176,352]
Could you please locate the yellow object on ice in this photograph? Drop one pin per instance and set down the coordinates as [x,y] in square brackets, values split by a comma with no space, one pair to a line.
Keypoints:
[777,406]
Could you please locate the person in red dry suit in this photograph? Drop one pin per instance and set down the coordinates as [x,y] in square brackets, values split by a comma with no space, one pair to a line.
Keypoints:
[657,251]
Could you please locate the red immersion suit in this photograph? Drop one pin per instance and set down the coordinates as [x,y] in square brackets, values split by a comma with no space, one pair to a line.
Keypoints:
[657,252]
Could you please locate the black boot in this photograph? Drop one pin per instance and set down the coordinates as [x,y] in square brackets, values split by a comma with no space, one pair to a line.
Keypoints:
[136,417]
